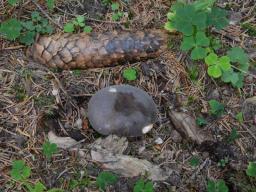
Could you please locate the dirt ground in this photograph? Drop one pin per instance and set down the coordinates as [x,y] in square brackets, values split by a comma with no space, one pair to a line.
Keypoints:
[29,110]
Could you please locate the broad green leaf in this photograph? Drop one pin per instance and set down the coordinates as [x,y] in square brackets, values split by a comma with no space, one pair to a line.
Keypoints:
[200,121]
[142,186]
[13,2]
[198,53]
[10,29]
[187,43]
[202,40]
[236,54]
[214,71]
[87,29]
[203,4]
[251,169]
[28,37]
[216,108]
[211,59]
[130,74]
[199,20]
[230,76]
[105,178]
[224,63]
[218,18]
[171,16]
[19,170]
[35,16]
[69,28]
[183,19]
[217,186]
[80,19]
[115,6]
[28,25]
[49,149]
[240,82]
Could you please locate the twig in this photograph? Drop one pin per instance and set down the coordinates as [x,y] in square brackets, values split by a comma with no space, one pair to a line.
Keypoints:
[40,8]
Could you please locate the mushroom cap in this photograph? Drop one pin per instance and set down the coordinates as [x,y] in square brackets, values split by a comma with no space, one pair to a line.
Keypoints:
[122,110]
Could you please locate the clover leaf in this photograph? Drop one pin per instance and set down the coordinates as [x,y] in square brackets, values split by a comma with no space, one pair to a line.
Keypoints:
[11,29]
[218,18]
[19,170]
[251,169]
[217,65]
[236,54]
[130,74]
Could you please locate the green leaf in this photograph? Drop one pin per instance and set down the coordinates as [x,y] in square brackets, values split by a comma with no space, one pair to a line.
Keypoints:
[11,29]
[183,19]
[230,76]
[239,117]
[236,54]
[200,121]
[251,169]
[224,63]
[49,149]
[142,186]
[28,25]
[114,6]
[69,28]
[130,74]
[50,4]
[218,18]
[19,170]
[198,53]
[35,16]
[211,59]
[187,43]
[214,71]
[203,4]
[87,29]
[233,136]
[199,20]
[80,19]
[28,37]
[202,40]
[216,108]
[194,161]
[117,16]
[169,26]
[13,2]
[218,186]
[105,178]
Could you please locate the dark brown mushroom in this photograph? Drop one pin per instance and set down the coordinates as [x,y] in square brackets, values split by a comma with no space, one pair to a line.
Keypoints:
[122,110]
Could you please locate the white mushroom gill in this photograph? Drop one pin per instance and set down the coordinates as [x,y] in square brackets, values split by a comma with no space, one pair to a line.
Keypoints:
[147,128]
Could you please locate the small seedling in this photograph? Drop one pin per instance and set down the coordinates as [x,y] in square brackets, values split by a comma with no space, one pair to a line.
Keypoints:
[216,108]
[143,186]
[233,136]
[104,179]
[20,171]
[77,23]
[25,31]
[239,117]
[49,149]
[251,169]
[76,72]
[217,186]
[117,14]
[223,162]
[130,74]
[194,161]
[200,121]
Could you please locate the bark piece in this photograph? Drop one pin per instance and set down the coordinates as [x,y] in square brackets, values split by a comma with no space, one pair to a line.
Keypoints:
[108,152]
[187,127]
